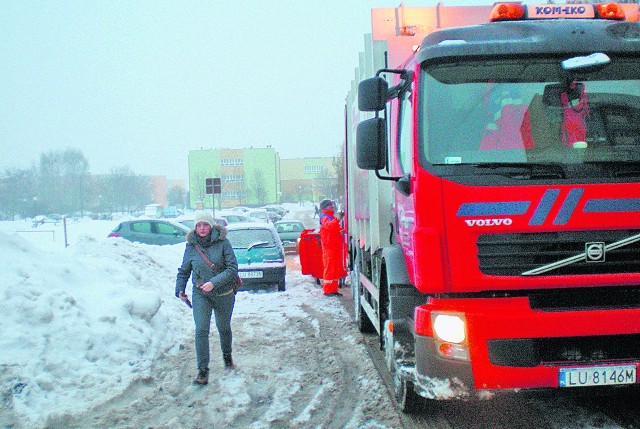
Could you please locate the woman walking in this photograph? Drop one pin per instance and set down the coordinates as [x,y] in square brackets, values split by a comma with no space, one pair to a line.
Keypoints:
[210,261]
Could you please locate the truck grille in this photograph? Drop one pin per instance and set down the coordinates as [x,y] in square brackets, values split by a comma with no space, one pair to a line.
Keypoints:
[530,352]
[513,254]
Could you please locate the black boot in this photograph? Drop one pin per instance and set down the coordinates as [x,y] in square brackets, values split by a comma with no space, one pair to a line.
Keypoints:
[203,376]
[228,361]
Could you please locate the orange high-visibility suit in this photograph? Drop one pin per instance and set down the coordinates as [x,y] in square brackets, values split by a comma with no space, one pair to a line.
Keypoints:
[332,251]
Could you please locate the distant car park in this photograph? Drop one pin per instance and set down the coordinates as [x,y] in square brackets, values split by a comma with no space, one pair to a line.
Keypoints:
[289,232]
[151,231]
[260,254]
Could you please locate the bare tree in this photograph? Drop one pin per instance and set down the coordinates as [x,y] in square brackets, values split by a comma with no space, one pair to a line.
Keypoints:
[339,168]
[63,178]
[257,189]
[123,190]
[197,186]
[17,192]
[176,196]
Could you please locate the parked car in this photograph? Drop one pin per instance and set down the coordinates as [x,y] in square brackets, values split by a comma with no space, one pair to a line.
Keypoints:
[257,215]
[275,212]
[261,215]
[189,222]
[281,211]
[151,231]
[41,220]
[235,217]
[260,254]
[170,212]
[289,232]
[153,210]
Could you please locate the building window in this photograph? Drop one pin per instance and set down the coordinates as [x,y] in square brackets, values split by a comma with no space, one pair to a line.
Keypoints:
[232,178]
[313,169]
[233,195]
[231,162]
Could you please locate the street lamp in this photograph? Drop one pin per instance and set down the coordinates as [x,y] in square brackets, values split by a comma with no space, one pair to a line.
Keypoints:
[35,200]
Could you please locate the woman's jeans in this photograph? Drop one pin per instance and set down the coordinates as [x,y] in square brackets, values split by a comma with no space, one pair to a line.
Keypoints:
[222,307]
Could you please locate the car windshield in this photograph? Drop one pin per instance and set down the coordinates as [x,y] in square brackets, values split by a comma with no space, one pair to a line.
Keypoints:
[245,238]
[289,227]
[528,111]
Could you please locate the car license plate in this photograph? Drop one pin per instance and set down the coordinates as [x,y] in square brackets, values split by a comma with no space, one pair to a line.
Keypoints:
[597,376]
[250,274]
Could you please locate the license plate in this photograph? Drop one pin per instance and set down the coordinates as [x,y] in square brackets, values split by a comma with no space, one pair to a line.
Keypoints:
[597,376]
[250,274]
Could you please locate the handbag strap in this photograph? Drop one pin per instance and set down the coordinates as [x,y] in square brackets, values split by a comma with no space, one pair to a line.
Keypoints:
[204,257]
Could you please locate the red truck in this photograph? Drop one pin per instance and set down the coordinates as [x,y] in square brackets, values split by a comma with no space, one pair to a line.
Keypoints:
[493,197]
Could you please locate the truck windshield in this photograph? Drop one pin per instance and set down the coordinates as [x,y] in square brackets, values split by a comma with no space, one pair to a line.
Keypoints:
[514,112]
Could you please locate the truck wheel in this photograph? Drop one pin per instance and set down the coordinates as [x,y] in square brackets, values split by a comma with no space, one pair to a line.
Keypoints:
[281,286]
[407,400]
[362,320]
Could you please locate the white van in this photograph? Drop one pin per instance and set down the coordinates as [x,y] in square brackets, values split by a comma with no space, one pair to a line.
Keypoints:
[153,211]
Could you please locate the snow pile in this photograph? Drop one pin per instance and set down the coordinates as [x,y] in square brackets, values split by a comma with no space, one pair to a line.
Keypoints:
[80,325]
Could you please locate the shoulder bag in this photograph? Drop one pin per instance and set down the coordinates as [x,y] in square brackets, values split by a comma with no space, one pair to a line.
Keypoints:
[237,283]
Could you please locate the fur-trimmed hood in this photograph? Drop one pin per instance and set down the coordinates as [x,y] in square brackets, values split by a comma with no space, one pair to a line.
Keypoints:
[221,234]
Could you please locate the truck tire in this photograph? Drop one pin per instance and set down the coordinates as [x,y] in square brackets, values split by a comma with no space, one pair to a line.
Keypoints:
[360,317]
[281,286]
[406,398]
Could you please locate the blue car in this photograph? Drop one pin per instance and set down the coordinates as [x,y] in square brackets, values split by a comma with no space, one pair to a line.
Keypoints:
[260,254]
[151,231]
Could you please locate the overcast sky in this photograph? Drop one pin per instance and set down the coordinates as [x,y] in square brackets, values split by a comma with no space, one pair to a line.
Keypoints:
[140,83]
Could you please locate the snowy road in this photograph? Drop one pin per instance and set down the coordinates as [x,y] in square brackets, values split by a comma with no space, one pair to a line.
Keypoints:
[300,364]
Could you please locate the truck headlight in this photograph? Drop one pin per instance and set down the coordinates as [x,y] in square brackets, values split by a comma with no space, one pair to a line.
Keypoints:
[450,328]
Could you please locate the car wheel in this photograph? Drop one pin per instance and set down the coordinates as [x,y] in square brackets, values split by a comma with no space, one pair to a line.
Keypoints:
[281,286]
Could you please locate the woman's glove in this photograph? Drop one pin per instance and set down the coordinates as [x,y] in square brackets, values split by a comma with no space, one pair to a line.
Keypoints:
[184,298]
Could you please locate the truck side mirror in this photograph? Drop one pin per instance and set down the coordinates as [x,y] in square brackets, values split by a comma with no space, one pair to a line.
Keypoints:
[371,137]
[372,94]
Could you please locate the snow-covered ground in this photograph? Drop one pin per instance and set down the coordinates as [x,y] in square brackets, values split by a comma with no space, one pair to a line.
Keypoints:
[92,336]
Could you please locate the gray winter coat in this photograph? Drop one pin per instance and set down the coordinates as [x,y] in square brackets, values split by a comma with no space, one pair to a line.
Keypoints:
[219,252]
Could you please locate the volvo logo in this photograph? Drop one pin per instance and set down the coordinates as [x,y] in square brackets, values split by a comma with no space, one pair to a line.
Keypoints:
[594,251]
[488,222]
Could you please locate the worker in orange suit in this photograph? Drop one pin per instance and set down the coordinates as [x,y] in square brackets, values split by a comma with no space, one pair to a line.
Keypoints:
[332,248]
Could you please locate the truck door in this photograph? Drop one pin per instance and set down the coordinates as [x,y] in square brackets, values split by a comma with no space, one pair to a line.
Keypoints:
[404,164]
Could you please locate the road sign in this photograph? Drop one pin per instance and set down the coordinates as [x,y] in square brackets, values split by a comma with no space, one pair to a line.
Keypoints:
[213,185]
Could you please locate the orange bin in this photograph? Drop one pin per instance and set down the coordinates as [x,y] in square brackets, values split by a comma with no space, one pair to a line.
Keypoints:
[310,250]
